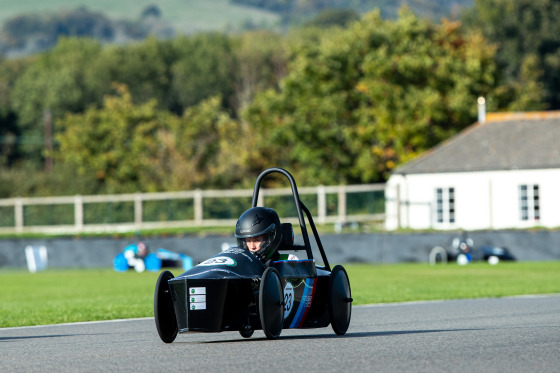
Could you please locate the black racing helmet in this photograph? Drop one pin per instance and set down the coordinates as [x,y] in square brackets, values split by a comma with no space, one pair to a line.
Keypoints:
[260,221]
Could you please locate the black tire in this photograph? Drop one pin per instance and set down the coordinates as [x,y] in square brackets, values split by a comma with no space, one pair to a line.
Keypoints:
[164,313]
[271,303]
[340,300]
[246,333]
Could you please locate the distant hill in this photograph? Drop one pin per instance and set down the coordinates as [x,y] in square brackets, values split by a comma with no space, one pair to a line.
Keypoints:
[32,26]
[432,9]
[187,16]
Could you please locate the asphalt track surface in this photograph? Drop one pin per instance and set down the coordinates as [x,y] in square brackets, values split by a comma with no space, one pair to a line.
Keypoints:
[519,334]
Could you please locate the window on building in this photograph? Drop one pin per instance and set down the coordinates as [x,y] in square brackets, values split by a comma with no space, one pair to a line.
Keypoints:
[445,205]
[529,202]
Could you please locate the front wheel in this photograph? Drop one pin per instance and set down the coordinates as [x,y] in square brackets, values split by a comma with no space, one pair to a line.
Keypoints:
[271,303]
[340,300]
[246,333]
[164,312]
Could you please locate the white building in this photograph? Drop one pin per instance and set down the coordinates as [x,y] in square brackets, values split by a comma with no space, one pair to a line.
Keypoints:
[503,173]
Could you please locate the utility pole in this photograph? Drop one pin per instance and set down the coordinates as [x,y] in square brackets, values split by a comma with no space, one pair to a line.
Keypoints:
[47,120]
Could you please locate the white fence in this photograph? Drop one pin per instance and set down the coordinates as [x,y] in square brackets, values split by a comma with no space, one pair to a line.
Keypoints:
[370,210]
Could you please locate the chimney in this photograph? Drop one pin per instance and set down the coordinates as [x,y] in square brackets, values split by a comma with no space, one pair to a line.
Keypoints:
[481,110]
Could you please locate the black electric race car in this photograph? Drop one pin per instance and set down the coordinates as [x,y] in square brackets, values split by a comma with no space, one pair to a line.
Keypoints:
[235,291]
[463,251]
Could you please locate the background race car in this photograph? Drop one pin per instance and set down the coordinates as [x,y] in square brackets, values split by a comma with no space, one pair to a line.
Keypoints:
[463,251]
[137,257]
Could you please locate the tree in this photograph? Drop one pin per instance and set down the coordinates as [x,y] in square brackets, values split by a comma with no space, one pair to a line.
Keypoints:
[300,126]
[10,133]
[115,143]
[151,10]
[419,87]
[35,32]
[358,102]
[261,63]
[201,149]
[204,68]
[334,17]
[56,81]
[128,147]
[526,32]
[145,68]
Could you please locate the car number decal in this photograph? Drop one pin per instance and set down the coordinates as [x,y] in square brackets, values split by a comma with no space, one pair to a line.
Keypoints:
[288,299]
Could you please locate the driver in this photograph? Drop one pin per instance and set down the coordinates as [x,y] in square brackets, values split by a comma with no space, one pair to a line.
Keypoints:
[258,230]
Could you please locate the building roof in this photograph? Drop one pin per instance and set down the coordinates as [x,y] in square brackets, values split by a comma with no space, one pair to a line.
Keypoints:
[506,141]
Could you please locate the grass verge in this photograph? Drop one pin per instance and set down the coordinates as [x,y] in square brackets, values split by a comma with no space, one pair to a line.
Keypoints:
[61,296]
[411,282]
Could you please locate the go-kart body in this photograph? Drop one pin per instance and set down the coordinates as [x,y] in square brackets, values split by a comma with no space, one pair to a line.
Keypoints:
[221,293]
[235,291]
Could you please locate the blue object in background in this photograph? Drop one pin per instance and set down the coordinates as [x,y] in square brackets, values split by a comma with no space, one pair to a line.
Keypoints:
[187,262]
[131,247]
[168,256]
[152,262]
[120,263]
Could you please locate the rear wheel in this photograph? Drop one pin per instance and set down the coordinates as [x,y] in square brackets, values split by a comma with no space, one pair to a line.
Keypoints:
[340,300]
[164,313]
[271,306]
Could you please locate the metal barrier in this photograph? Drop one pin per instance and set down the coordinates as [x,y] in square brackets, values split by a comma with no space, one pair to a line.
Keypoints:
[67,214]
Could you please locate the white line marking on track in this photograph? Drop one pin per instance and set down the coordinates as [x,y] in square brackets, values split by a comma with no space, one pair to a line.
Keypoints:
[78,323]
[355,306]
[539,296]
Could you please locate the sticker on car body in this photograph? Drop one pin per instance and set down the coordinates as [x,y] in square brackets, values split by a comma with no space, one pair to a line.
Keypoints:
[197,298]
[197,291]
[220,260]
[198,306]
